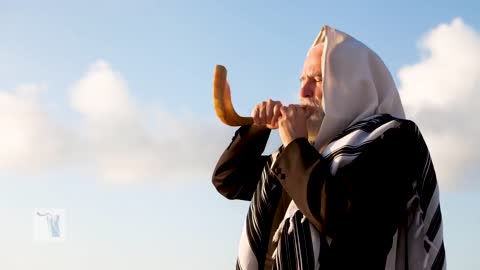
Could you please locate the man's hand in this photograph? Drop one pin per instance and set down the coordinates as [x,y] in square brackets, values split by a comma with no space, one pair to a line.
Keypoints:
[293,122]
[266,114]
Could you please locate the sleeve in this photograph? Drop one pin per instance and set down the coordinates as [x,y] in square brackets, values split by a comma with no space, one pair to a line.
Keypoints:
[368,193]
[239,168]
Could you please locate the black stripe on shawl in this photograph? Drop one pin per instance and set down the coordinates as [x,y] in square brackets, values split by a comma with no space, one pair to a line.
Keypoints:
[427,180]
[427,183]
[434,225]
[368,125]
[261,212]
[286,250]
[347,150]
[440,259]
[294,250]
[303,239]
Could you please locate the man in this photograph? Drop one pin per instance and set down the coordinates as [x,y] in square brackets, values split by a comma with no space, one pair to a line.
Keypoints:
[352,186]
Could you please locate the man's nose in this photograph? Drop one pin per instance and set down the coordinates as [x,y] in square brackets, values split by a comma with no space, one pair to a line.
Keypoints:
[306,91]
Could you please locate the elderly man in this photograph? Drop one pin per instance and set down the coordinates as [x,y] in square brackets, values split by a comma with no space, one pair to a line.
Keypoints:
[352,186]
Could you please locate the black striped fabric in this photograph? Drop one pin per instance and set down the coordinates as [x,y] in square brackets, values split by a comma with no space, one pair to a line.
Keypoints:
[261,212]
[294,248]
[368,125]
[428,200]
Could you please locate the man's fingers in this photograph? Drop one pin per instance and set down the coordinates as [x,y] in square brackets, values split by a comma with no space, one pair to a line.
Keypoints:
[292,107]
[269,111]
[263,113]
[304,110]
[275,115]
[309,110]
[255,114]
[283,112]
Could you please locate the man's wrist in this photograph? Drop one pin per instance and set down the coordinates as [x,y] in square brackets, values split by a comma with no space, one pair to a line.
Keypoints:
[255,129]
[288,141]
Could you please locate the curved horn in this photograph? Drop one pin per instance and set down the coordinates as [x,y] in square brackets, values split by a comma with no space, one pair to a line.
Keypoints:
[222,101]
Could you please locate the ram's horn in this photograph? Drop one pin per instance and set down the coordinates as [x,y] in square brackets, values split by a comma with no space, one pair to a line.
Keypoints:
[222,101]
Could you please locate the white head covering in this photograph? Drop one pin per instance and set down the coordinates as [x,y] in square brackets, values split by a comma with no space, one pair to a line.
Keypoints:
[356,84]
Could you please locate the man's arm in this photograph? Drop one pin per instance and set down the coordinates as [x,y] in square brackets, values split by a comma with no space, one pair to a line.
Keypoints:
[368,193]
[239,168]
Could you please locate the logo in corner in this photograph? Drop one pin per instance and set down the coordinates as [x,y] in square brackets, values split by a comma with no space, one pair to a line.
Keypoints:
[49,224]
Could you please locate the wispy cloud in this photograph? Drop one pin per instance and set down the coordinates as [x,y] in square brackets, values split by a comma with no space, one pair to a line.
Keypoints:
[441,93]
[115,136]
[29,138]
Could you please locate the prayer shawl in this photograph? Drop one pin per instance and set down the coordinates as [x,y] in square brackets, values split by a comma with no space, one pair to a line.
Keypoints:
[417,242]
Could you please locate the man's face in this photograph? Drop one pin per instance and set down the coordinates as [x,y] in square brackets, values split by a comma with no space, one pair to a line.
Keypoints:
[312,77]
[311,89]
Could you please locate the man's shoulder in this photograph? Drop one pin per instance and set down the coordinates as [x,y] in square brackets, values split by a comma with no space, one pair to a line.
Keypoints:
[384,127]
[407,127]
[401,134]
[376,125]
[389,134]
[386,120]
[405,123]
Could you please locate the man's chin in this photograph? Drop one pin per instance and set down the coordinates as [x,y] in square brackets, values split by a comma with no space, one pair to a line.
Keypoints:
[312,132]
[313,126]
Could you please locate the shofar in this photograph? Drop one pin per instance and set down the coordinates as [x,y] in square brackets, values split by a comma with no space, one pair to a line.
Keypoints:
[222,101]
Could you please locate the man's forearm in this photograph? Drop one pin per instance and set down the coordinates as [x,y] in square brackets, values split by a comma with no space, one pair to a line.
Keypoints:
[239,168]
[294,168]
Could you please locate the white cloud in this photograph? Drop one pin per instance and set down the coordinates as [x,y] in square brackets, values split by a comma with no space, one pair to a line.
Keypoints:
[129,145]
[441,93]
[124,142]
[29,139]
[102,95]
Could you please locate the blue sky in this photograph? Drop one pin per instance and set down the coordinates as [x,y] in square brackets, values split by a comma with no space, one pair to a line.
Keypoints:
[73,72]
